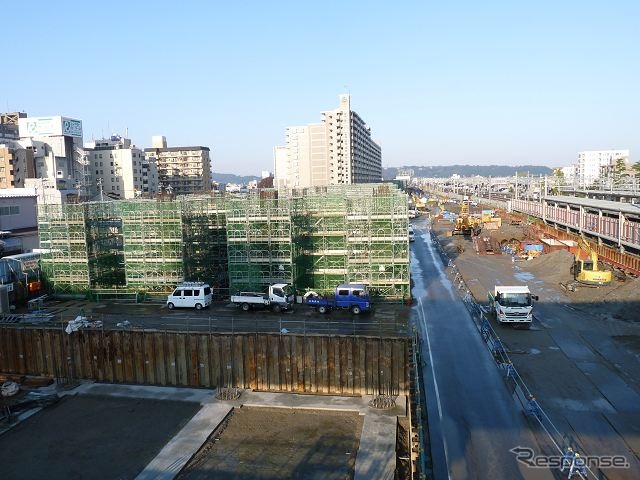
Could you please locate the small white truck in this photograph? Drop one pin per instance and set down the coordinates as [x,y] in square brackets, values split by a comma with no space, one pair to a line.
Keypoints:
[512,305]
[279,298]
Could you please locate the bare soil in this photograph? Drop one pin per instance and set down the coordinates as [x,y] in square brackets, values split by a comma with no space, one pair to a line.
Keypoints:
[403,450]
[91,437]
[618,301]
[273,443]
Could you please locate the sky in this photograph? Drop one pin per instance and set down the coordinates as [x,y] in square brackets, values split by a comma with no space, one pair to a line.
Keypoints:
[466,82]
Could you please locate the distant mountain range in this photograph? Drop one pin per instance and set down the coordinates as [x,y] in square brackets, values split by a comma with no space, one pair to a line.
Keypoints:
[232,178]
[440,171]
[445,171]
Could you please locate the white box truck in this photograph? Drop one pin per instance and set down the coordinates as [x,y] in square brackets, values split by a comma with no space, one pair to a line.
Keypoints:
[512,305]
[190,295]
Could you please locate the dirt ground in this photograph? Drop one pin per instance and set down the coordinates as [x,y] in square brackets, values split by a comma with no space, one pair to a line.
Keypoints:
[91,437]
[268,443]
[619,301]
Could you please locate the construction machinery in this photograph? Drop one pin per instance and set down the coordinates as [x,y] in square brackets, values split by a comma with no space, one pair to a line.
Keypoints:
[465,223]
[586,268]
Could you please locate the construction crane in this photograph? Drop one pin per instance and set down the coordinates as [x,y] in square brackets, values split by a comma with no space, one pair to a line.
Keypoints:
[586,268]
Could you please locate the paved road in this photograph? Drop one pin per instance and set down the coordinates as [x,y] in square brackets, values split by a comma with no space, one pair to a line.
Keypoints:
[387,319]
[593,393]
[473,420]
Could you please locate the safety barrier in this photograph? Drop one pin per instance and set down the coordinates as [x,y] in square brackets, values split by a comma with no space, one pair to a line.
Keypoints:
[566,445]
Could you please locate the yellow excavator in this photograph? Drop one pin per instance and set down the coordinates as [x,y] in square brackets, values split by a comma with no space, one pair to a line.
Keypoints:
[465,224]
[586,268]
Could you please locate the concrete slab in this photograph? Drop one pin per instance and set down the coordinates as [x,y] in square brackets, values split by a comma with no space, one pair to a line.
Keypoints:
[175,454]
[628,426]
[572,345]
[143,391]
[320,402]
[599,437]
[376,455]
[613,388]
[377,452]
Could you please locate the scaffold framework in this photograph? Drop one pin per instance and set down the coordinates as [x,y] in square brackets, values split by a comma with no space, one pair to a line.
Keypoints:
[314,239]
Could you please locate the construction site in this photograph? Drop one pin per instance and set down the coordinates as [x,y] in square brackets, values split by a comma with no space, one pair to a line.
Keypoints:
[579,356]
[312,239]
[291,395]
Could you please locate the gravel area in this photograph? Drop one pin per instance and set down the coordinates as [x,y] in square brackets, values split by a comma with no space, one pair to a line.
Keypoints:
[272,443]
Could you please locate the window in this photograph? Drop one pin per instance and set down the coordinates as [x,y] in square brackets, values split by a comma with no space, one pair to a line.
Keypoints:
[100,157]
[177,293]
[207,290]
[196,293]
[96,172]
[188,293]
[343,292]
[10,210]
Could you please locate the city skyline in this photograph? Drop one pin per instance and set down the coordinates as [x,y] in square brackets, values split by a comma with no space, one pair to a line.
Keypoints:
[467,84]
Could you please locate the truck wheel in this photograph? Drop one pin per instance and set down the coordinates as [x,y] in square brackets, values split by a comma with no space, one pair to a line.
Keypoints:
[245,307]
[356,310]
[322,309]
[170,305]
[277,308]
[198,306]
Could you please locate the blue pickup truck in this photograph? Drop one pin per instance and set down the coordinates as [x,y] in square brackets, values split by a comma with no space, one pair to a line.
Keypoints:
[350,296]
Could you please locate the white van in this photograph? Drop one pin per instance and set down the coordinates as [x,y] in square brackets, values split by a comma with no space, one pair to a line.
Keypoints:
[412,235]
[190,295]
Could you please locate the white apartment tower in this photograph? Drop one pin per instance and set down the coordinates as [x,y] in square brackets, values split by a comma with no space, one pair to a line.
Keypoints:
[595,164]
[338,150]
[119,169]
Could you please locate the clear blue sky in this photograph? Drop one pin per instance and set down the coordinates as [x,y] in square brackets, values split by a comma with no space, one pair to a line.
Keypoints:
[502,82]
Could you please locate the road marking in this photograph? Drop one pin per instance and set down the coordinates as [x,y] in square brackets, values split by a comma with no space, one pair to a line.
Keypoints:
[435,383]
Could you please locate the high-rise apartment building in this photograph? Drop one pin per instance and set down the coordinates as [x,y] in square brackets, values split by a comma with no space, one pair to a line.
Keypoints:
[596,164]
[120,169]
[183,170]
[339,150]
